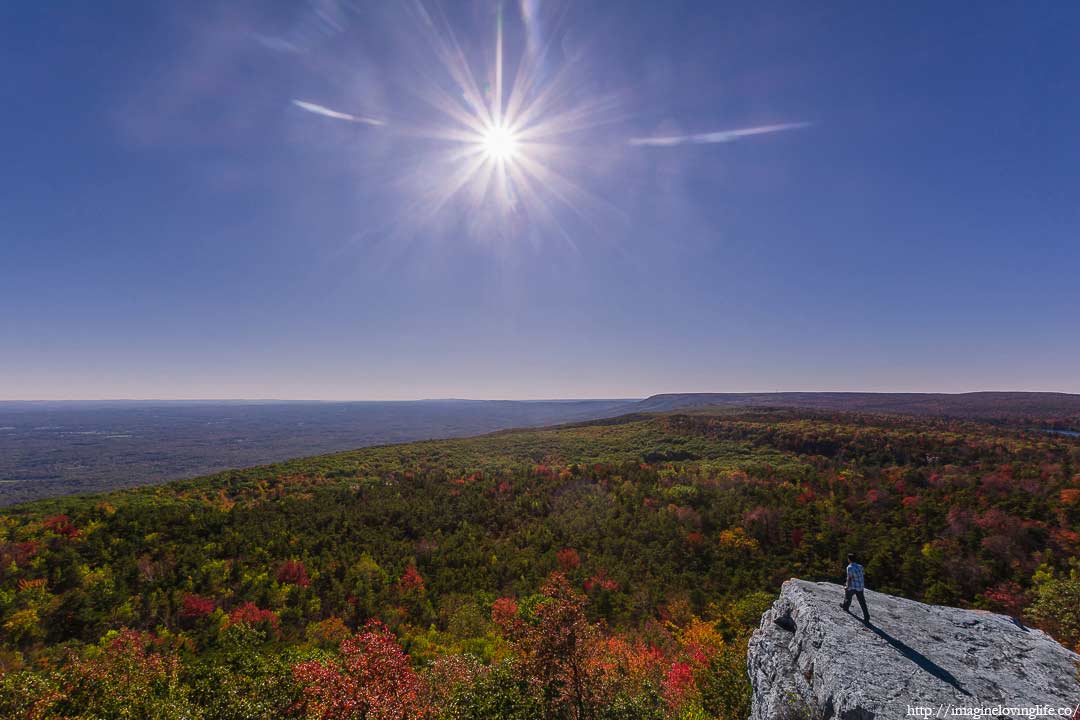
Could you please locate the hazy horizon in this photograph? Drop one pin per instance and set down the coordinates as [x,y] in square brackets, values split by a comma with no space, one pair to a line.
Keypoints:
[628,398]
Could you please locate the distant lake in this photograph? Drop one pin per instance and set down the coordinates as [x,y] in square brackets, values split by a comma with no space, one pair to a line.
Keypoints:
[1070,433]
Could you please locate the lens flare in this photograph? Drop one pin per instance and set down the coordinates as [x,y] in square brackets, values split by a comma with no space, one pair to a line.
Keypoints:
[500,144]
[510,128]
[500,141]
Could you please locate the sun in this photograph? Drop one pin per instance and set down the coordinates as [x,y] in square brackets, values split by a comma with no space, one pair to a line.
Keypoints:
[500,143]
[504,144]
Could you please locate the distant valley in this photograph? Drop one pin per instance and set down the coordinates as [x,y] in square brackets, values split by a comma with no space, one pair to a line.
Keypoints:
[51,449]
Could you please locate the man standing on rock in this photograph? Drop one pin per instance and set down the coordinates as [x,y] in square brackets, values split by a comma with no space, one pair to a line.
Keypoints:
[854,585]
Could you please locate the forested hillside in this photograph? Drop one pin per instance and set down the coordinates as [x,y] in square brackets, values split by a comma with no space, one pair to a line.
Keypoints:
[604,570]
[1045,409]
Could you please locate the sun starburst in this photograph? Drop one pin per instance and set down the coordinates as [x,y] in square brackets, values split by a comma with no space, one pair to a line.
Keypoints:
[495,158]
[506,144]
[500,144]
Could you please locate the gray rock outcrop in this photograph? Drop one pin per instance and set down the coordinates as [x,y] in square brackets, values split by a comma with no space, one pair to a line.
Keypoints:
[810,659]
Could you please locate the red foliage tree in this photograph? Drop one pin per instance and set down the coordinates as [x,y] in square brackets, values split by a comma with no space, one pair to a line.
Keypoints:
[1067,540]
[678,685]
[61,525]
[568,559]
[601,581]
[293,572]
[1007,597]
[252,615]
[504,611]
[17,555]
[626,668]
[196,606]
[412,582]
[370,680]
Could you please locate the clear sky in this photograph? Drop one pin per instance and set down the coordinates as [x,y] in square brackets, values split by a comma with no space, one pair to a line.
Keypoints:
[230,199]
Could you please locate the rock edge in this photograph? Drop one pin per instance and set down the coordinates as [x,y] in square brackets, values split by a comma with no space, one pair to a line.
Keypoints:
[810,659]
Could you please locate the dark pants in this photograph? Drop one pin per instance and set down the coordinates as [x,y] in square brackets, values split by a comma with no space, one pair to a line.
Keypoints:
[862,602]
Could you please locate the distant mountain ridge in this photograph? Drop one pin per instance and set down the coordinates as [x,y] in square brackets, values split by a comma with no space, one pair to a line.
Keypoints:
[974,405]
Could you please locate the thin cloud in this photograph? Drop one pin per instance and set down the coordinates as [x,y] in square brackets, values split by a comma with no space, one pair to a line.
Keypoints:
[277,44]
[336,114]
[722,136]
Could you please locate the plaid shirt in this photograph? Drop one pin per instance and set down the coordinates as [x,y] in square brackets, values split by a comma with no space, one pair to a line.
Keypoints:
[855,579]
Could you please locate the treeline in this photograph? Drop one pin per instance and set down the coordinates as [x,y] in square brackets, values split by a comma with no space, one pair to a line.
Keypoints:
[598,571]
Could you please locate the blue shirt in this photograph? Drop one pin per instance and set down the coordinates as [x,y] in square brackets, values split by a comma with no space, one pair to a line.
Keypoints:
[855,580]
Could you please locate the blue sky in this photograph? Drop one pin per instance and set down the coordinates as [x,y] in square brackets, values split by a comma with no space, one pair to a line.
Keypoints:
[174,225]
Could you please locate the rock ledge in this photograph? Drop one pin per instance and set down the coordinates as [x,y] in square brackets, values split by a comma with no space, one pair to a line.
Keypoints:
[810,659]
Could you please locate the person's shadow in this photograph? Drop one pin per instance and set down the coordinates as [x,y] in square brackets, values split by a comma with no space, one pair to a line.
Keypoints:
[918,658]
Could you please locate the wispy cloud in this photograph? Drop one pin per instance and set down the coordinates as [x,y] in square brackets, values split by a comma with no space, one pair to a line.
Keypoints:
[336,114]
[278,44]
[722,136]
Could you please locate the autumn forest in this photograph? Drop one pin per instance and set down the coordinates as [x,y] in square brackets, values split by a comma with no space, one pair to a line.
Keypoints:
[610,569]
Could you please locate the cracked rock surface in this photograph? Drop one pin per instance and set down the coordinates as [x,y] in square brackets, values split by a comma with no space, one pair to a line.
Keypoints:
[810,659]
